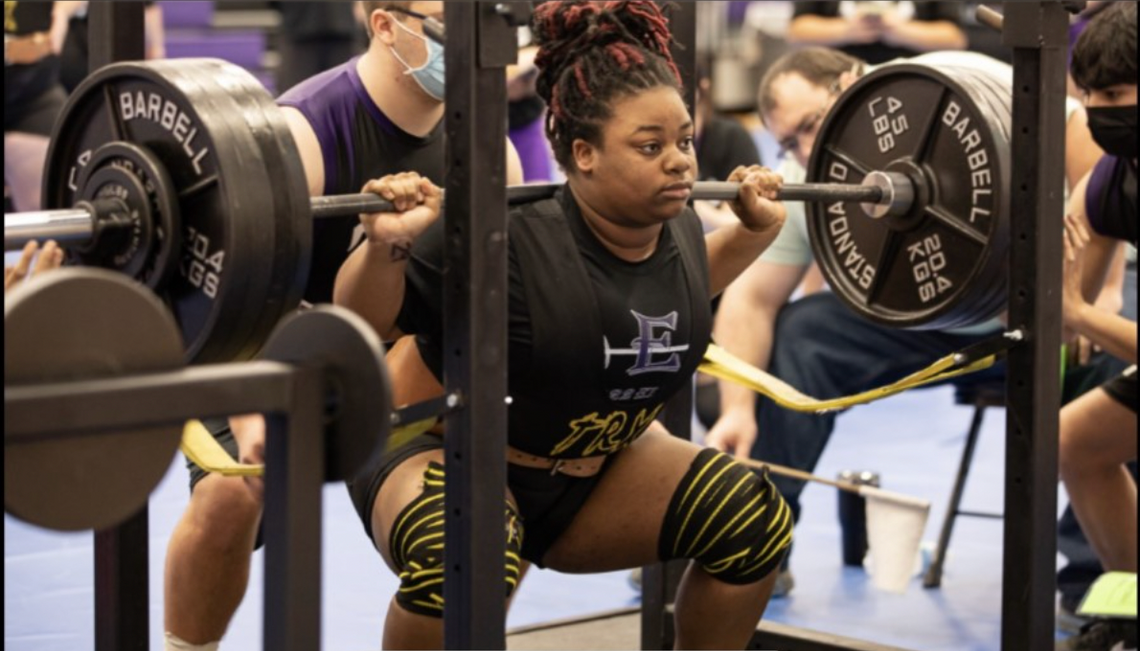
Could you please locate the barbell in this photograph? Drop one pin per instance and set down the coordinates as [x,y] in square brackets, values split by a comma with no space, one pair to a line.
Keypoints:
[84,226]
[183,174]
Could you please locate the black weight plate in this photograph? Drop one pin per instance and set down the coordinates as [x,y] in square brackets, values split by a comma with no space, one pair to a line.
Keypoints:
[154,254]
[997,94]
[224,278]
[292,218]
[126,249]
[360,398]
[241,326]
[77,324]
[922,122]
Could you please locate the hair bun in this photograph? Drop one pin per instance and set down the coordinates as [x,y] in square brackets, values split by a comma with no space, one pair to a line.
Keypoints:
[561,29]
[563,21]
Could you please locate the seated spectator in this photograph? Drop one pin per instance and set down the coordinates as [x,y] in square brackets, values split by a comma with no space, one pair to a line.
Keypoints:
[877,32]
[1098,430]
[816,344]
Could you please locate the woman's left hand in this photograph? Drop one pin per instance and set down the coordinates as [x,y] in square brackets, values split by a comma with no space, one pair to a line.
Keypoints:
[756,205]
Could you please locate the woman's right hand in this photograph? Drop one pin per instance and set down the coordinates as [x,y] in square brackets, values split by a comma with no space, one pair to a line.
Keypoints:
[417,202]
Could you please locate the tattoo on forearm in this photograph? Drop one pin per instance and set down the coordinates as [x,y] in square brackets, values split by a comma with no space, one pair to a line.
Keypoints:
[401,251]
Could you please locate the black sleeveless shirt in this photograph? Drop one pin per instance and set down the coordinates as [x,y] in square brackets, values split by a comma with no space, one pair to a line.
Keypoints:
[597,345]
[1110,199]
[358,143]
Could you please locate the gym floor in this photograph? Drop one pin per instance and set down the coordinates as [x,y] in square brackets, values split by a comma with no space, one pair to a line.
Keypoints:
[913,440]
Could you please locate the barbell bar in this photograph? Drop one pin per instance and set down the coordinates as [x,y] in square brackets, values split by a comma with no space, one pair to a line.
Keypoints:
[78,226]
[195,164]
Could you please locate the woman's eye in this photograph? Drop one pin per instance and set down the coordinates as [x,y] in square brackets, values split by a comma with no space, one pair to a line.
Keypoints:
[651,148]
[687,143]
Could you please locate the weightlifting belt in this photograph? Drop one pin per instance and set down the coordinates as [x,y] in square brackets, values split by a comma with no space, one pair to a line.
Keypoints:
[581,467]
[23,50]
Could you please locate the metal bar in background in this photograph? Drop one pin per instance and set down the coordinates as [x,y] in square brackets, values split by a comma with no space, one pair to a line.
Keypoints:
[660,581]
[1038,34]
[479,46]
[122,611]
[61,409]
[122,604]
[294,477]
[116,32]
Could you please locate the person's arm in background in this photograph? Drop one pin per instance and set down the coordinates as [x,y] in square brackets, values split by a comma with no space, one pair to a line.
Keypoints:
[514,165]
[155,32]
[1088,260]
[746,327]
[813,281]
[310,149]
[936,26]
[60,17]
[733,147]
[1110,300]
[819,23]
[1081,151]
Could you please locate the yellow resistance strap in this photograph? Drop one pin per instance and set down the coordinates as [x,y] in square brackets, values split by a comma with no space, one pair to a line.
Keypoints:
[722,364]
[200,446]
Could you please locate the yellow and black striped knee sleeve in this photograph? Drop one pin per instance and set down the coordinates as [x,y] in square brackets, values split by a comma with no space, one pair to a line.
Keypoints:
[416,545]
[729,519]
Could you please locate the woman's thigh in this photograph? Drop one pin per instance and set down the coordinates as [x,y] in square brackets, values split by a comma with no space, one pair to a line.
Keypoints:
[403,486]
[620,523]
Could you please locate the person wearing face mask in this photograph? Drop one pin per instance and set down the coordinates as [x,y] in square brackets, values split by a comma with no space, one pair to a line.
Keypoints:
[377,114]
[1098,430]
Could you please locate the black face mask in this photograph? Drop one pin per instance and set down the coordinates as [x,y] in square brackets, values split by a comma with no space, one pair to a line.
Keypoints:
[1114,129]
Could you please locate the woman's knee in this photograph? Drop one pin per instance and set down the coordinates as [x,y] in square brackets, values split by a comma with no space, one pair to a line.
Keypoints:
[414,546]
[731,521]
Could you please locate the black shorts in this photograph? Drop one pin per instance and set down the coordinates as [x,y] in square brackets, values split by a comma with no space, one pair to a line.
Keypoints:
[1122,388]
[220,428]
[33,97]
[547,503]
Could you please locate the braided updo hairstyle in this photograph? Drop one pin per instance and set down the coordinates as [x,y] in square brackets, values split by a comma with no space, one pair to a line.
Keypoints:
[591,53]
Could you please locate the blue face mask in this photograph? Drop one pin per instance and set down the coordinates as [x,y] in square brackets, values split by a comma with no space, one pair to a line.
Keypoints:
[430,76]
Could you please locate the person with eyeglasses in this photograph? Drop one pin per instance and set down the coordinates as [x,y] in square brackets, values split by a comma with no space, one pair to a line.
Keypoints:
[377,114]
[816,343]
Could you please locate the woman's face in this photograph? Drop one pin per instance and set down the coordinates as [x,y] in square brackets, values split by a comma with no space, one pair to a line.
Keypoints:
[645,168]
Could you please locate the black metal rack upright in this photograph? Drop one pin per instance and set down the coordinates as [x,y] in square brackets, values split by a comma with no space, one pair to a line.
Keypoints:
[122,596]
[1038,34]
[480,44]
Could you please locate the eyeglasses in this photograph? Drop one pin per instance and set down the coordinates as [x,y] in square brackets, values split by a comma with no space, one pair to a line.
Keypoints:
[808,126]
[433,27]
